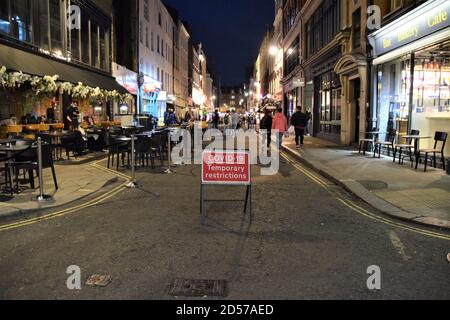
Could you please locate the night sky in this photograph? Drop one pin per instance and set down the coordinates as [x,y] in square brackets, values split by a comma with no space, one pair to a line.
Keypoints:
[230,30]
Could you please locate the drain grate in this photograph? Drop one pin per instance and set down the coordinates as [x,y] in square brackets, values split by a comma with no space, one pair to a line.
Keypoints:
[198,288]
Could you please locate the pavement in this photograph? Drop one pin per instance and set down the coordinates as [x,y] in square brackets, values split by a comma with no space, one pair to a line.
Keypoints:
[306,240]
[396,190]
[77,179]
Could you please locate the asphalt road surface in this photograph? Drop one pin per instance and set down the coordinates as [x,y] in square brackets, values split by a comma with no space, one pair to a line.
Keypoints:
[307,239]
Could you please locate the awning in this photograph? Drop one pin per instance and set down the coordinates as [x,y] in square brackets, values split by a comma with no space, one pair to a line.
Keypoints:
[37,65]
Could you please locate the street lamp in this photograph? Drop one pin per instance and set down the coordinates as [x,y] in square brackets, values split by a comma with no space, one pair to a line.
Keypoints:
[273,50]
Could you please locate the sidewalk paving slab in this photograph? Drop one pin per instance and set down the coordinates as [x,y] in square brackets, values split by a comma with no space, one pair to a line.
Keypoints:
[75,182]
[396,190]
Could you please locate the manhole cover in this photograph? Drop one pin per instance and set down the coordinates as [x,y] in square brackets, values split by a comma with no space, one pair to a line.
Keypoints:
[374,185]
[198,288]
[98,280]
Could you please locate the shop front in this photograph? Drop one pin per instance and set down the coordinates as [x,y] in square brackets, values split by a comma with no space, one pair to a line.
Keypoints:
[323,96]
[412,79]
[129,80]
[293,95]
[38,89]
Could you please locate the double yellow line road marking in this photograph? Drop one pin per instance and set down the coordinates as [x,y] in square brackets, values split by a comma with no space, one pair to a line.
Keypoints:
[77,208]
[358,209]
[308,173]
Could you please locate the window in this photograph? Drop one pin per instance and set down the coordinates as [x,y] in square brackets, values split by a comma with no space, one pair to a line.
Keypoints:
[21,20]
[4,17]
[356,23]
[141,32]
[160,19]
[55,26]
[85,41]
[40,24]
[157,74]
[395,4]
[146,38]
[104,45]
[75,44]
[162,47]
[152,41]
[330,103]
[157,44]
[292,55]
[146,14]
[323,26]
[94,45]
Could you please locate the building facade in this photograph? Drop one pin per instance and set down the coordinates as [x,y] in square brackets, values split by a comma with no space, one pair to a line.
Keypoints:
[293,77]
[49,56]
[156,58]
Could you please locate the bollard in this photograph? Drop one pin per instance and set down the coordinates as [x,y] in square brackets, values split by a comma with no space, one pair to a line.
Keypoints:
[41,197]
[169,170]
[448,166]
[133,183]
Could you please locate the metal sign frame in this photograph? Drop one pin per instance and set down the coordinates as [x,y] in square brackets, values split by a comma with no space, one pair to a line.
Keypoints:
[248,195]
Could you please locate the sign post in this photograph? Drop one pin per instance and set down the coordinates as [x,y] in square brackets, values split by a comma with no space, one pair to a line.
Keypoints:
[227,168]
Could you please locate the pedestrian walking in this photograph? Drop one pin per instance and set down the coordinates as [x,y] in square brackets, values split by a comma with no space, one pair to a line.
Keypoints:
[299,121]
[309,130]
[234,120]
[266,124]
[280,123]
[216,119]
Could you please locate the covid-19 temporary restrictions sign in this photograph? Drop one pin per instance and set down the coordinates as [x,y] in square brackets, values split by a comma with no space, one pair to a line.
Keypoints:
[226,167]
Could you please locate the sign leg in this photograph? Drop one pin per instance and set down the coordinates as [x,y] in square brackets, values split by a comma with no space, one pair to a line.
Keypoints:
[202,205]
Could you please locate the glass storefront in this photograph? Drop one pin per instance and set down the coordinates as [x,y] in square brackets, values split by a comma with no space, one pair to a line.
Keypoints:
[414,93]
[329,104]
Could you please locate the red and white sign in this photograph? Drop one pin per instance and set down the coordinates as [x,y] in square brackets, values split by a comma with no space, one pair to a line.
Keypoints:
[226,167]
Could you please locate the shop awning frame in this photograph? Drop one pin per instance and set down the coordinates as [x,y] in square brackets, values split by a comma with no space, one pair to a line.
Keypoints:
[37,64]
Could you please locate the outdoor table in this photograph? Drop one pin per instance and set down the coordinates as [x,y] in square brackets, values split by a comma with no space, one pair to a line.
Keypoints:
[416,139]
[10,150]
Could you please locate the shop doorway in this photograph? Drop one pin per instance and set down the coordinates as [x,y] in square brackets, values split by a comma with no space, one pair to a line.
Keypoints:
[355,87]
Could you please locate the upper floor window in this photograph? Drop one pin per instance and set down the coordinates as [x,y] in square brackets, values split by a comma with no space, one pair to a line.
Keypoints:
[323,26]
[291,10]
[396,4]
[146,11]
[160,19]
[356,26]
[40,23]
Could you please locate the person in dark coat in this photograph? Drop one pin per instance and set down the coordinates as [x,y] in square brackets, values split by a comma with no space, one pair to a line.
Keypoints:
[299,121]
[216,119]
[266,124]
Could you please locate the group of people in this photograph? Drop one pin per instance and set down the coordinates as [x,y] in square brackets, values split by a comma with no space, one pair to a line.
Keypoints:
[300,121]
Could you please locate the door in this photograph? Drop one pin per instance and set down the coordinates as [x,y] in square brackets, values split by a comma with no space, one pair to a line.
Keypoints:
[356,84]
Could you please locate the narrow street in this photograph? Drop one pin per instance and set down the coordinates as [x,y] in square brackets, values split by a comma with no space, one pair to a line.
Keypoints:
[308,239]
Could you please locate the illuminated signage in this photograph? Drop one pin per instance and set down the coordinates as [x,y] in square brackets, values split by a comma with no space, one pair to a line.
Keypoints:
[151,85]
[126,78]
[433,16]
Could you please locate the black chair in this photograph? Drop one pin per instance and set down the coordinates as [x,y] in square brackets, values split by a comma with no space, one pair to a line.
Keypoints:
[157,149]
[32,165]
[364,143]
[4,170]
[117,149]
[408,146]
[142,147]
[388,143]
[439,137]
[75,143]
